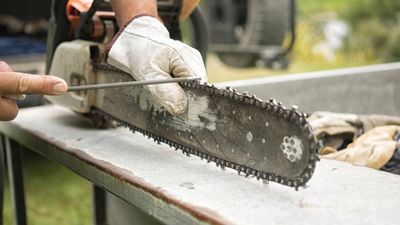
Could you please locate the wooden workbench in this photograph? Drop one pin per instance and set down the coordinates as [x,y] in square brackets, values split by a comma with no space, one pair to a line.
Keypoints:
[176,189]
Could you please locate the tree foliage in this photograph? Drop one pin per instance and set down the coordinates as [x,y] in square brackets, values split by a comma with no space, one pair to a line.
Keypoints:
[375,28]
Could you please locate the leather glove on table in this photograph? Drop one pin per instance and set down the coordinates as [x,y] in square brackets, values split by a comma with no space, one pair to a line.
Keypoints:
[373,149]
[336,130]
[144,49]
[364,140]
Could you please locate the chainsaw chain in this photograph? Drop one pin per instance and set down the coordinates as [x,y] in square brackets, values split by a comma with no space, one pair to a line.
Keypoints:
[292,114]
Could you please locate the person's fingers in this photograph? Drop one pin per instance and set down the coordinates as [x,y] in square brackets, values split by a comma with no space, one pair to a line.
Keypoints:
[17,83]
[184,62]
[170,95]
[188,62]
[8,109]
[20,83]
[4,67]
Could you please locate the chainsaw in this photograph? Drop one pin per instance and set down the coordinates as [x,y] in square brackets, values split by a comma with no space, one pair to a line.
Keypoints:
[234,130]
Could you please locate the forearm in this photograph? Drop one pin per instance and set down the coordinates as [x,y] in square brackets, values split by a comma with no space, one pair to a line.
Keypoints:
[187,8]
[125,10]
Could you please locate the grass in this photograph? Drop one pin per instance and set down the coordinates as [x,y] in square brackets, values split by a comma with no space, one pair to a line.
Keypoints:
[310,7]
[54,194]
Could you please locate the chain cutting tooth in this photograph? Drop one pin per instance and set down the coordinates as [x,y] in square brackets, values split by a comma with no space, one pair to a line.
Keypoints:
[263,105]
[286,113]
[253,100]
[237,97]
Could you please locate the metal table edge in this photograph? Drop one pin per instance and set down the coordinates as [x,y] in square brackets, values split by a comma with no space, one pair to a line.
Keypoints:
[99,172]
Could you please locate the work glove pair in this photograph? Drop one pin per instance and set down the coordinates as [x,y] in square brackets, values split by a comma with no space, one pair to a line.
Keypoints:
[363,140]
[373,149]
[143,48]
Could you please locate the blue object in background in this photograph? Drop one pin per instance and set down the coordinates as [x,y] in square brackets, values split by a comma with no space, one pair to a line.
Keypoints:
[10,46]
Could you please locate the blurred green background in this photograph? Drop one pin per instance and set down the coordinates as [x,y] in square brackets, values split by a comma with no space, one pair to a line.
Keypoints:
[373,37]
[57,196]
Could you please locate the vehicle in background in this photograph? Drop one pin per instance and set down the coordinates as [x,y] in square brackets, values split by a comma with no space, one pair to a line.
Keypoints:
[246,33]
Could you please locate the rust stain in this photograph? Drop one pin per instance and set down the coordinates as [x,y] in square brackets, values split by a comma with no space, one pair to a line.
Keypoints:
[201,213]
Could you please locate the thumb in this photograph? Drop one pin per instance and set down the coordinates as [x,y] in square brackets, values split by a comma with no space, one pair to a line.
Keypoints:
[21,83]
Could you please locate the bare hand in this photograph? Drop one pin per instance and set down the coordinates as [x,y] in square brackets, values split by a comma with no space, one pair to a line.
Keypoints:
[14,83]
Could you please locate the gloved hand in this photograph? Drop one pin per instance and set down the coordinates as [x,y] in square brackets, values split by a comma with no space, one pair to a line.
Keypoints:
[143,49]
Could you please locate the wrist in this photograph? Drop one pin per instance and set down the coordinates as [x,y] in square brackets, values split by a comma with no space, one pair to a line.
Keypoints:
[126,21]
[125,10]
[137,16]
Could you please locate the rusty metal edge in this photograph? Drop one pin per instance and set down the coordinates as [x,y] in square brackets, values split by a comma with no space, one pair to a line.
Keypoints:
[70,158]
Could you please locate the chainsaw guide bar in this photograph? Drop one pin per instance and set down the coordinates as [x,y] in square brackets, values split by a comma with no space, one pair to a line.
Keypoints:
[259,138]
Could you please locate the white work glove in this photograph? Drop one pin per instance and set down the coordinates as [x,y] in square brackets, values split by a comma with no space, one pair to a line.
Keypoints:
[144,49]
